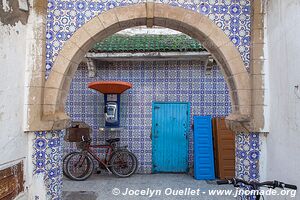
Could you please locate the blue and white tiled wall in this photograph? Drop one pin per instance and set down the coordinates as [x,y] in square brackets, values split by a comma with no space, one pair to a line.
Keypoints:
[174,81]
[47,161]
[247,156]
[66,16]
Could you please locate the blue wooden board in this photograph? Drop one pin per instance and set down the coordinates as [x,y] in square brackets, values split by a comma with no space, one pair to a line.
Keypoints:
[203,149]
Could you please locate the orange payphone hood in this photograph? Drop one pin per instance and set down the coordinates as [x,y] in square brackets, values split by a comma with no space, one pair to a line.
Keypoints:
[110,87]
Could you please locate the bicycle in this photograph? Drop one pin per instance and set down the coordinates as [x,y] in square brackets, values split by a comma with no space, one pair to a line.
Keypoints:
[79,165]
[255,186]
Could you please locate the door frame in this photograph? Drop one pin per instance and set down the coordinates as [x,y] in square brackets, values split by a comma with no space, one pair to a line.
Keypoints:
[187,131]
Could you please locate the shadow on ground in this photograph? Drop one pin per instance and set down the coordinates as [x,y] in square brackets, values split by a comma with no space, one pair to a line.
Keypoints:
[81,195]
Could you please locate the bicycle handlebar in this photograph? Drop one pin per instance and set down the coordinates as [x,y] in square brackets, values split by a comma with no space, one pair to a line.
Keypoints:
[273,184]
[280,185]
[293,187]
[233,181]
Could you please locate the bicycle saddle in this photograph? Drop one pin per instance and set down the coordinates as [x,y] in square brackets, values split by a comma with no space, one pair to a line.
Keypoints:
[112,140]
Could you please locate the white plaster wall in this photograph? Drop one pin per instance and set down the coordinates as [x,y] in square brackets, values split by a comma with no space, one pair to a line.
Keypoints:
[283,142]
[13,141]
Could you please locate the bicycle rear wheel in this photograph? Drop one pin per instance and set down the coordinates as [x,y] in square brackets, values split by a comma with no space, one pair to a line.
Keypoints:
[79,166]
[123,163]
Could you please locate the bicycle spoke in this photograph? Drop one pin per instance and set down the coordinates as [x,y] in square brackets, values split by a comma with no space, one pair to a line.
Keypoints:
[79,166]
[123,164]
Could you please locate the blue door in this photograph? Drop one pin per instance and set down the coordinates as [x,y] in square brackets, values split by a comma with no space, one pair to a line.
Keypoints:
[203,148]
[170,127]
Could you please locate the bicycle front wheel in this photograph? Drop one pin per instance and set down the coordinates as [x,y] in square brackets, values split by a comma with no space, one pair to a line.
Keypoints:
[79,166]
[123,163]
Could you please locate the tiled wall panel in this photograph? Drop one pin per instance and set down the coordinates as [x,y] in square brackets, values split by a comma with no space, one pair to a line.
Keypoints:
[247,156]
[152,81]
[66,16]
[47,161]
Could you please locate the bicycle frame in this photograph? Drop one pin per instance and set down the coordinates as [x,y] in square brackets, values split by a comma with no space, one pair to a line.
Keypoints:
[251,197]
[251,187]
[110,148]
[108,152]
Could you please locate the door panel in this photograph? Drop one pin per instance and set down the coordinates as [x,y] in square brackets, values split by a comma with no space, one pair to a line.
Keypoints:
[224,142]
[170,125]
[203,149]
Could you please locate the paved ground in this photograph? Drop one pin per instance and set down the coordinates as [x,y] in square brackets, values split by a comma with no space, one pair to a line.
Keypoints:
[102,186]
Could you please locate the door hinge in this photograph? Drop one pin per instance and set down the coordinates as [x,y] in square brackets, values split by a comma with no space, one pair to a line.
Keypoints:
[156,107]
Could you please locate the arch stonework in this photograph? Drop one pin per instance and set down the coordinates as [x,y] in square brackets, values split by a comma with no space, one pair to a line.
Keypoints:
[194,24]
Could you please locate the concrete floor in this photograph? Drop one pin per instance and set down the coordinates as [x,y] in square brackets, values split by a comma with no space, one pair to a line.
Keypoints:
[102,186]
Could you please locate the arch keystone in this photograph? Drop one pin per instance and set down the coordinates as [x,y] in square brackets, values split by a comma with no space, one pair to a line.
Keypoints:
[125,13]
[150,14]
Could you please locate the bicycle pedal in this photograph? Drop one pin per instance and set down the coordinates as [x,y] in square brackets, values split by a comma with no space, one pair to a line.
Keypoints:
[98,171]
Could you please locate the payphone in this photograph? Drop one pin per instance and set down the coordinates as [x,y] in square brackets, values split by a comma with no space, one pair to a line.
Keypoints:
[111,109]
[112,91]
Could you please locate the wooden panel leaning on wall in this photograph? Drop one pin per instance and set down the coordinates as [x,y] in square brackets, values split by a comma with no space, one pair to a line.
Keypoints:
[224,149]
[11,181]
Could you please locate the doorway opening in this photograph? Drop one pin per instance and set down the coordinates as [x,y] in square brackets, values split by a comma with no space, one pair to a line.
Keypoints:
[57,85]
[163,66]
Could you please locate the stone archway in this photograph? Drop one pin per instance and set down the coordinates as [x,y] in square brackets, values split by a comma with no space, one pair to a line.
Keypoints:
[191,23]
